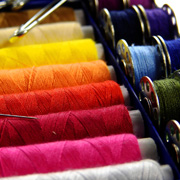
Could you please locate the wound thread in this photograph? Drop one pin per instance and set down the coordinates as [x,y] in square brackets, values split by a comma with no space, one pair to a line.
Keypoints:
[47,54]
[127,26]
[145,169]
[160,23]
[168,91]
[147,61]
[174,53]
[90,96]
[69,125]
[68,155]
[52,76]
[10,19]
[44,33]
[147,4]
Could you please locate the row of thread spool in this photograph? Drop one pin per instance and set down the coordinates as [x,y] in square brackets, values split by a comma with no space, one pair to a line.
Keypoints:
[149,47]
[28,128]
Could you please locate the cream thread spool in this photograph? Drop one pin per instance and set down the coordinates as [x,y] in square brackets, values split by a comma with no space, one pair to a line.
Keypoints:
[47,33]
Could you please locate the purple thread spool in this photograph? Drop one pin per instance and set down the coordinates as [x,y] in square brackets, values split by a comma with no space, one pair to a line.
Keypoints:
[148,4]
[160,23]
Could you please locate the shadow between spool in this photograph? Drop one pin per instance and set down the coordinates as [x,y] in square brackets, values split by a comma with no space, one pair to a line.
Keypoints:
[168,58]
[141,23]
[156,41]
[147,29]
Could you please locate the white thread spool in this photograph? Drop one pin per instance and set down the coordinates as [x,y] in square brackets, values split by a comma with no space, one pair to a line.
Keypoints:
[145,169]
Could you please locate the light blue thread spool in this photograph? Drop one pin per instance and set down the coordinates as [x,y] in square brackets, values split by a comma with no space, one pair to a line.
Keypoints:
[147,61]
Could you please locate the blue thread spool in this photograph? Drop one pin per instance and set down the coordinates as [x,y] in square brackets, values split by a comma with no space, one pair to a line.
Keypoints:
[139,61]
[159,21]
[172,52]
[125,24]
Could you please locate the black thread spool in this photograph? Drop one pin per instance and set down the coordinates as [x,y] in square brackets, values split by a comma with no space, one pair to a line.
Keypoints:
[149,26]
[172,138]
[132,55]
[123,26]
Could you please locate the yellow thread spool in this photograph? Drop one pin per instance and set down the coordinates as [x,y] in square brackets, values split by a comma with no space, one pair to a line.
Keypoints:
[44,33]
[46,54]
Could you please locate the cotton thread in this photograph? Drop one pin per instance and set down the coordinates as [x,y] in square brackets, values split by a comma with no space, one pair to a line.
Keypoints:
[145,169]
[147,4]
[146,62]
[160,23]
[10,19]
[52,76]
[173,49]
[69,125]
[168,91]
[127,26]
[44,33]
[47,54]
[88,96]
[66,155]
[110,4]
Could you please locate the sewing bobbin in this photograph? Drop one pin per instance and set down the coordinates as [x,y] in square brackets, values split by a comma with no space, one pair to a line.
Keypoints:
[108,29]
[173,139]
[148,33]
[127,61]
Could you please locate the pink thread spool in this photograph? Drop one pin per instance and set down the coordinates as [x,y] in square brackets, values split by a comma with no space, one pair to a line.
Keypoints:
[66,155]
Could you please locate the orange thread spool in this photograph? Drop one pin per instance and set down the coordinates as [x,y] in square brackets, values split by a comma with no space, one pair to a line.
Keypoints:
[52,76]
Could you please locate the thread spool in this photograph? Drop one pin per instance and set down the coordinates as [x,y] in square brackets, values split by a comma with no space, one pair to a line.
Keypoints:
[70,125]
[162,95]
[89,96]
[159,21]
[53,76]
[139,61]
[97,5]
[147,4]
[173,139]
[52,53]
[171,49]
[145,169]
[131,21]
[47,33]
[62,14]
[65,155]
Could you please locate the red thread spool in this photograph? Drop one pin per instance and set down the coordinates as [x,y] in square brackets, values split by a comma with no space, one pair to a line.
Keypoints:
[88,96]
[70,125]
[65,155]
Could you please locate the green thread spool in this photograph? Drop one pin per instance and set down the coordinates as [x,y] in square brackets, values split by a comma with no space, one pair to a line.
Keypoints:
[161,98]
[168,91]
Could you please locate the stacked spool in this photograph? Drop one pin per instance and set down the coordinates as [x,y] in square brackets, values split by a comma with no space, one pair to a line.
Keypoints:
[146,42]
[157,59]
[62,109]
[137,25]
